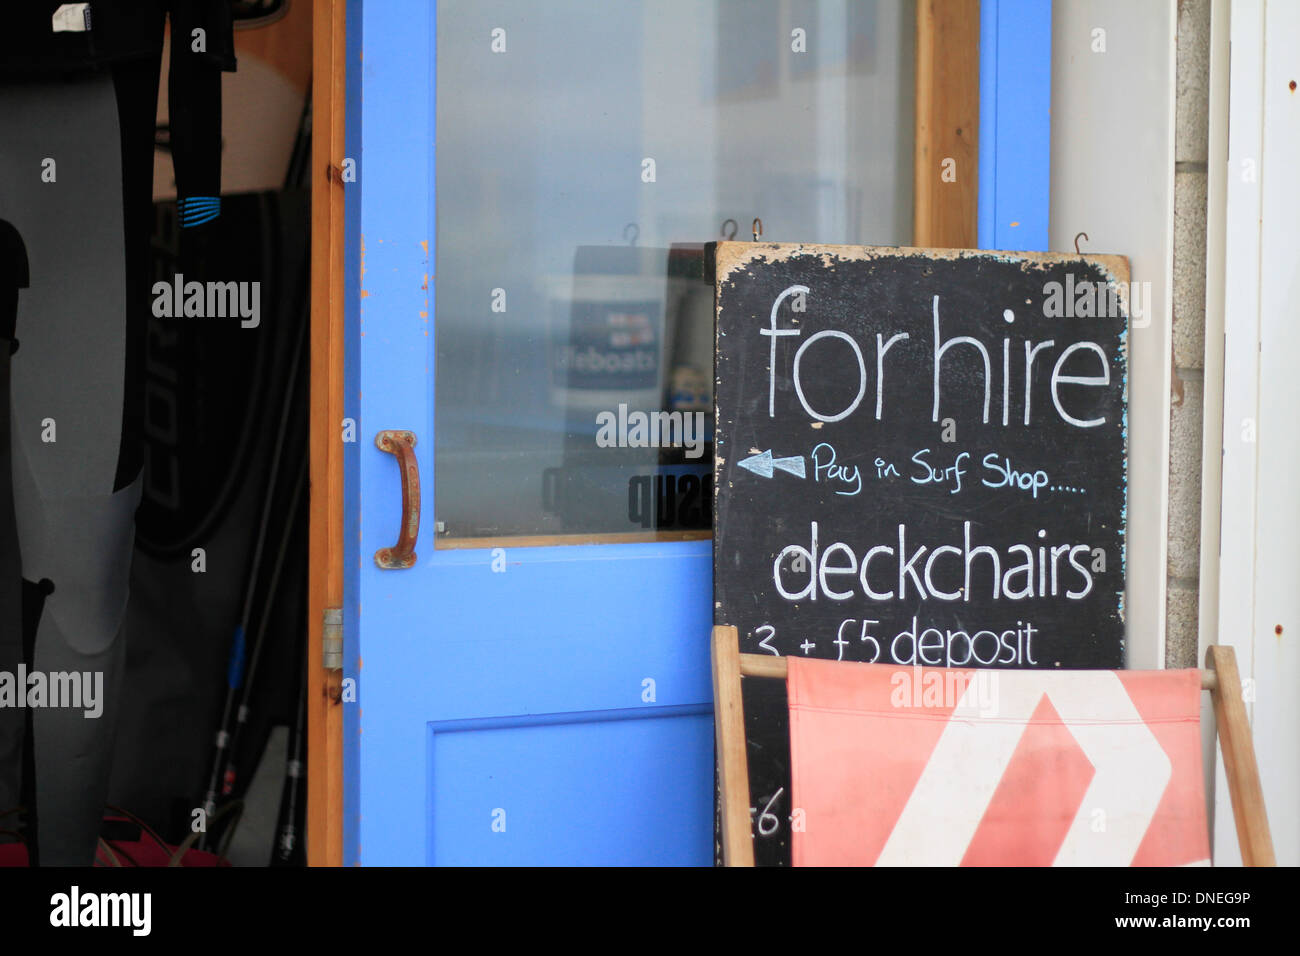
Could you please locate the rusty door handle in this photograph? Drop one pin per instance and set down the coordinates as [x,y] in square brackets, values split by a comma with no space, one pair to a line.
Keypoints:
[402,554]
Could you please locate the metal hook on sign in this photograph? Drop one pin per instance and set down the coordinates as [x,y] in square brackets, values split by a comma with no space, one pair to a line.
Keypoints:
[1076,242]
[735,226]
[758,228]
[636,231]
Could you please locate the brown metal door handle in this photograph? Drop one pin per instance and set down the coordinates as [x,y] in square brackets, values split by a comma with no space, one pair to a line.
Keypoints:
[402,554]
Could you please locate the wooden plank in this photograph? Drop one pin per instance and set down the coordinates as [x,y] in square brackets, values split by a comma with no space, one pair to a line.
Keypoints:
[325,548]
[1239,764]
[552,540]
[761,665]
[945,214]
[733,762]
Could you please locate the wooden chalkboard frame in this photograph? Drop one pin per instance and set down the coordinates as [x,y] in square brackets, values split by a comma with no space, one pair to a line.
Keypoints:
[732,260]
[731,255]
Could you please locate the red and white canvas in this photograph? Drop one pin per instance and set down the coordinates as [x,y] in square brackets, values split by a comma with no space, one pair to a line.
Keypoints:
[910,766]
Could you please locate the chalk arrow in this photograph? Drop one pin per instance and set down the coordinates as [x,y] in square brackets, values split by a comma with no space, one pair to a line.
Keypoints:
[764,464]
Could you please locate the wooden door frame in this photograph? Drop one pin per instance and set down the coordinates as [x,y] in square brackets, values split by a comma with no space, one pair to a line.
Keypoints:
[325,549]
[945,156]
[947,125]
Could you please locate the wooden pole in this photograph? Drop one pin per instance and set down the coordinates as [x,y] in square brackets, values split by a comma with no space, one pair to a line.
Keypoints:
[325,545]
[733,763]
[761,665]
[1239,764]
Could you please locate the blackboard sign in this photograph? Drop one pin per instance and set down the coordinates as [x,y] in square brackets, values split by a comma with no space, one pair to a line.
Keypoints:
[920,460]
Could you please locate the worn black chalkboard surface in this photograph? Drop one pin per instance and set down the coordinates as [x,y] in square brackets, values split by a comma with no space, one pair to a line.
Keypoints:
[920,459]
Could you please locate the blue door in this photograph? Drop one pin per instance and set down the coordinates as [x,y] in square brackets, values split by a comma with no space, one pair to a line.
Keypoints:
[527,305]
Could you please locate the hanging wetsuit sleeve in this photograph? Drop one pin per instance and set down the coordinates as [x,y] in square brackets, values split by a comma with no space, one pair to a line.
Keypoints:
[13,276]
[202,47]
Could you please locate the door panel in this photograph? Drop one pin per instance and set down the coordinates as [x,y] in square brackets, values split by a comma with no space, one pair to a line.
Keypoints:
[562,630]
[582,787]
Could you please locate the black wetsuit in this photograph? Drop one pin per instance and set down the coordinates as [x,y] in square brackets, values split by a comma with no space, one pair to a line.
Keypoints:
[83,101]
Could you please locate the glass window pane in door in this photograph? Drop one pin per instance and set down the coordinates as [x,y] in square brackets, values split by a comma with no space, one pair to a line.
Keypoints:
[586,152]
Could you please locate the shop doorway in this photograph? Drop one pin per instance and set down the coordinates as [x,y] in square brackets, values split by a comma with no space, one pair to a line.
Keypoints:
[534,687]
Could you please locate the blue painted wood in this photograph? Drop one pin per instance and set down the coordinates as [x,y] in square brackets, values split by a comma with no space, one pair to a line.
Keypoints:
[352,451]
[1015,123]
[563,630]
[533,777]
[988,144]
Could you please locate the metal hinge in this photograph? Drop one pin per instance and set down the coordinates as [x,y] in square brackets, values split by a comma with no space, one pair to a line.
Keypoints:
[332,639]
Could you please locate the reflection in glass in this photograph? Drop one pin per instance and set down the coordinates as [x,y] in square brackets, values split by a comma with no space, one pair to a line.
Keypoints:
[584,157]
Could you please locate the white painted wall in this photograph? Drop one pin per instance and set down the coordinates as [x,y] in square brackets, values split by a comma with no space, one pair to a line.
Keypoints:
[1113,178]
[1259,574]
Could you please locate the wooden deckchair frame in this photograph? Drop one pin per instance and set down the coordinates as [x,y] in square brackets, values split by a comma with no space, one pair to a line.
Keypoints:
[1219,677]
